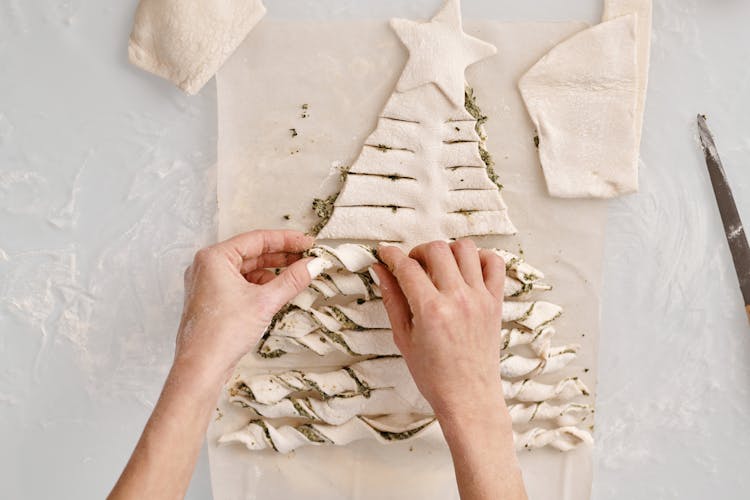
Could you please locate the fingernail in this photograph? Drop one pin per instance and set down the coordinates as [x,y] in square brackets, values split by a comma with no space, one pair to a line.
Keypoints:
[317,266]
[374,276]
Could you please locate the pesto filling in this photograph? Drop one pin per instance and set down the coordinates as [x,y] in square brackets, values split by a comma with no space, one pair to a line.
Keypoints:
[400,436]
[311,434]
[527,314]
[344,320]
[362,387]
[267,434]
[553,318]
[339,339]
[323,207]
[301,411]
[470,103]
[263,349]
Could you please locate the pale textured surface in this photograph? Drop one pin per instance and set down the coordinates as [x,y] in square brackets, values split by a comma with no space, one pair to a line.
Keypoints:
[67,94]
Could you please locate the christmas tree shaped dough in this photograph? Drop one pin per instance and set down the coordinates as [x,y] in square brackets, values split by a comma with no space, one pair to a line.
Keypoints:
[423,173]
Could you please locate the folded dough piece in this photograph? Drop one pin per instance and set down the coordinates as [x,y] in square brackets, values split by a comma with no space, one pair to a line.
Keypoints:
[187,42]
[582,97]
[643,10]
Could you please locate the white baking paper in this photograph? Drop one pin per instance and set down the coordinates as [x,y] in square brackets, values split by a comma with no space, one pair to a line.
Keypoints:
[344,72]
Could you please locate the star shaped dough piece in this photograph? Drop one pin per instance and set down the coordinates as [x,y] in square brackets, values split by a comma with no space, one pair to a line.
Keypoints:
[439,52]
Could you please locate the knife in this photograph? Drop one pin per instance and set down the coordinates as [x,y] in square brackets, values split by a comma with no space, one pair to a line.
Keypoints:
[733,229]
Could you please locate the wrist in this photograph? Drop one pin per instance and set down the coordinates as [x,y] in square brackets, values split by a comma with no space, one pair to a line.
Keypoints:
[475,413]
[196,378]
[475,419]
[476,401]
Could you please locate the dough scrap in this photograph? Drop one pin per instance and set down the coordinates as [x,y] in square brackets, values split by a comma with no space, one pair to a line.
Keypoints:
[187,42]
[643,11]
[582,97]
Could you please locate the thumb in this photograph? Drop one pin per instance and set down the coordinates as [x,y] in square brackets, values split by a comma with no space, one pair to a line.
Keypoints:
[288,284]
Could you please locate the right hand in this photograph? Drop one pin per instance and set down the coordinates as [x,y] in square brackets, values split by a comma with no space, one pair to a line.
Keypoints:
[445,307]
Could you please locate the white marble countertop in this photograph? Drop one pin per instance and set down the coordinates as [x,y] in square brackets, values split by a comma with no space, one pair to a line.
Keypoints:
[106,190]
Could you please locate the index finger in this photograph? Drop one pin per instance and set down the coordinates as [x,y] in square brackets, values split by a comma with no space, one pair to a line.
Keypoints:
[493,271]
[412,279]
[253,244]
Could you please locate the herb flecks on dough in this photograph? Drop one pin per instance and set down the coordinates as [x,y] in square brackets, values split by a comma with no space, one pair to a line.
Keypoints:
[470,102]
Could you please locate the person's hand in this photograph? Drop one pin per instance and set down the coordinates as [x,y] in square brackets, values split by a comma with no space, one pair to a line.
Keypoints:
[445,307]
[231,296]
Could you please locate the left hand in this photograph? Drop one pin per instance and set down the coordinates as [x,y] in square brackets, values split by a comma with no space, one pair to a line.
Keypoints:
[231,297]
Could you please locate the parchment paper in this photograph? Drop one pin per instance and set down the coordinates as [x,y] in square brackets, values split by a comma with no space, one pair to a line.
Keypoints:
[344,72]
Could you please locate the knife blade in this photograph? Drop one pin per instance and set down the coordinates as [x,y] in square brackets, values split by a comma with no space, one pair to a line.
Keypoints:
[733,228]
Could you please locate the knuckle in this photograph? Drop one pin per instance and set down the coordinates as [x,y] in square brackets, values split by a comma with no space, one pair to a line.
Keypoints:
[495,260]
[438,246]
[465,244]
[432,308]
[407,266]
[462,299]
[204,255]
[490,303]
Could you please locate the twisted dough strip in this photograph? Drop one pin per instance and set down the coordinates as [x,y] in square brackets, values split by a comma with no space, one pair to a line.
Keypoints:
[379,342]
[555,359]
[381,373]
[353,257]
[360,326]
[563,438]
[260,434]
[376,342]
[326,328]
[356,258]
[362,314]
[528,390]
[531,315]
[337,410]
[358,378]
